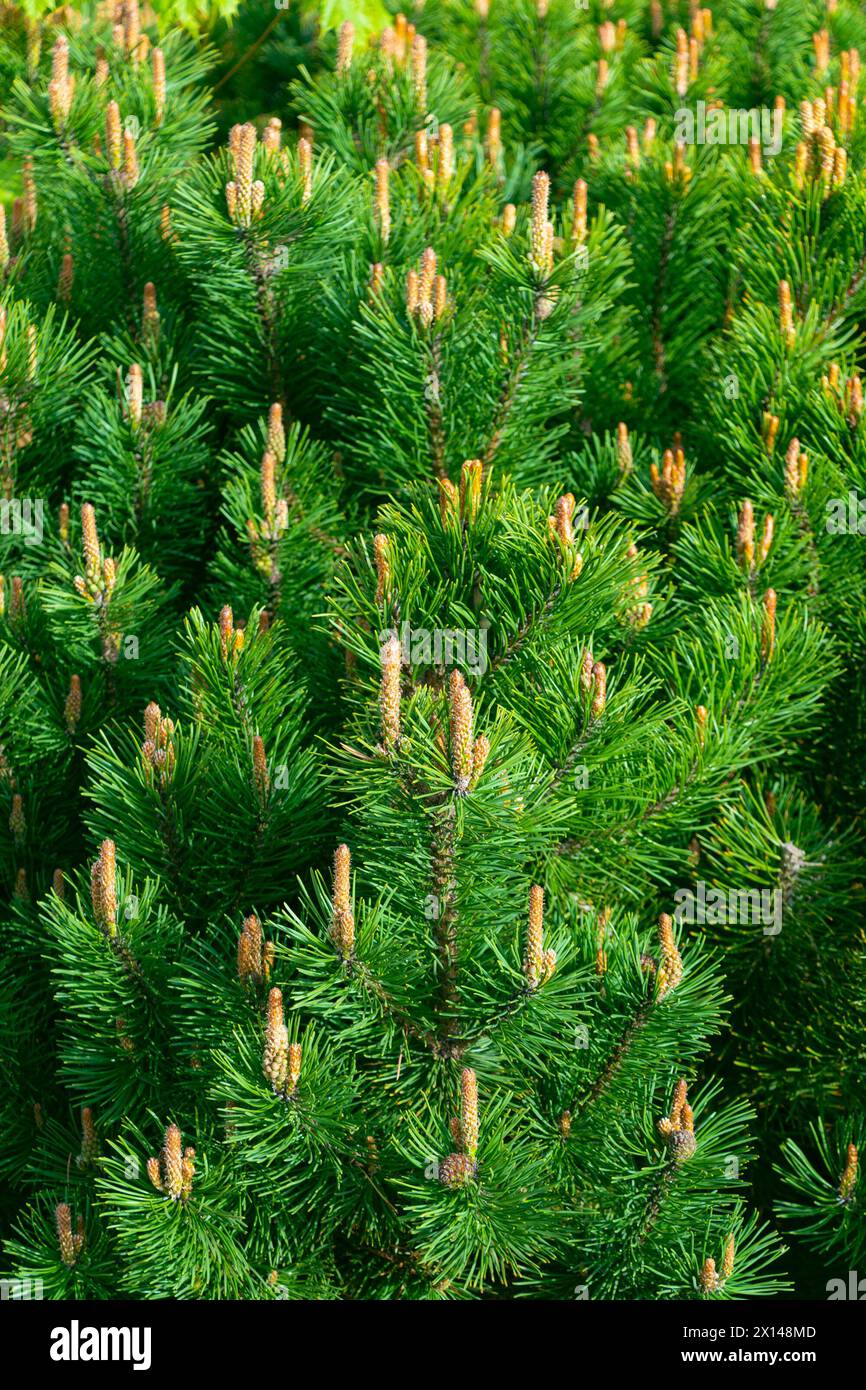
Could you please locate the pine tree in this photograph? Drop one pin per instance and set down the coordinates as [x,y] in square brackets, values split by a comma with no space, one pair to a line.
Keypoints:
[431,630]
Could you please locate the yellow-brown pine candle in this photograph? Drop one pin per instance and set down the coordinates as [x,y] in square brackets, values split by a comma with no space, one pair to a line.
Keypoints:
[449,501]
[708,1278]
[848,1180]
[65,278]
[63,1222]
[727,1267]
[187,1169]
[471,478]
[72,704]
[383,566]
[268,479]
[419,73]
[276,441]
[29,205]
[276,1054]
[293,1068]
[480,754]
[157,67]
[21,890]
[103,887]
[766,538]
[57,883]
[305,168]
[440,297]
[345,42]
[469,1112]
[426,282]
[460,726]
[4,247]
[768,627]
[383,199]
[130,160]
[681,63]
[607,36]
[390,659]
[260,767]
[538,246]
[154,1173]
[113,135]
[746,536]
[131,28]
[17,821]
[602,75]
[88,1138]
[533,961]
[670,971]
[445,161]
[227,631]
[412,292]
[599,689]
[134,395]
[172,1162]
[421,150]
[701,717]
[632,147]
[770,430]
[272,135]
[493,136]
[342,917]
[377,279]
[150,315]
[250,950]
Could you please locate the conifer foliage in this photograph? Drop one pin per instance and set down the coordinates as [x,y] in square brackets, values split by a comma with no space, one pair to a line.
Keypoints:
[432,768]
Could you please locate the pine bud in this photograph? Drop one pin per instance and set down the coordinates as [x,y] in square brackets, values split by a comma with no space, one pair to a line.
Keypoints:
[565,1123]
[187,1170]
[670,971]
[157,62]
[709,1279]
[383,199]
[727,1268]
[766,538]
[134,393]
[623,449]
[533,961]
[848,1180]
[599,688]
[245,154]
[344,46]
[389,691]
[17,822]
[681,63]
[29,205]
[150,315]
[419,73]
[469,1112]
[342,918]
[746,537]
[65,278]
[63,1221]
[103,887]
[305,168]
[131,29]
[88,1138]
[480,754]
[421,150]
[493,136]
[293,1069]
[768,628]
[449,501]
[445,165]
[383,567]
[276,1055]
[460,724]
[260,769]
[538,227]
[154,1174]
[250,951]
[276,434]
[58,884]
[4,255]
[786,316]
[227,632]
[172,1163]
